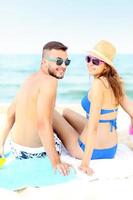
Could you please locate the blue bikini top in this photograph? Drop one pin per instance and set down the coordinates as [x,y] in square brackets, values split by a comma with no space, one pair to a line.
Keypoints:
[86,106]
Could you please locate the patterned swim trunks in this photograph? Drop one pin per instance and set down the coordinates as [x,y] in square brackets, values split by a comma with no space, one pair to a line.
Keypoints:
[22,152]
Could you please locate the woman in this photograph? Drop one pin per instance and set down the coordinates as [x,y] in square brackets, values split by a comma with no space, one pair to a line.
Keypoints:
[95,137]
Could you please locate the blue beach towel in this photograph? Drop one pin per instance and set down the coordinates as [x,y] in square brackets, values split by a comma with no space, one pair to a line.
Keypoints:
[37,172]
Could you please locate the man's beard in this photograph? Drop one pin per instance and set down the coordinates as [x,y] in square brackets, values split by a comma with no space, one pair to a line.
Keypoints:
[54,75]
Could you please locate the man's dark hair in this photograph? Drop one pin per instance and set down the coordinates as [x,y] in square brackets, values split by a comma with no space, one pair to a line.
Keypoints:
[54,45]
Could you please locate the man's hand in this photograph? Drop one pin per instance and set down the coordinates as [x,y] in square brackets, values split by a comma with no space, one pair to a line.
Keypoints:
[63,168]
[1,150]
[86,169]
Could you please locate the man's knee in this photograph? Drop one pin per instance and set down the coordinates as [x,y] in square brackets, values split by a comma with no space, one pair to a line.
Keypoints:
[66,112]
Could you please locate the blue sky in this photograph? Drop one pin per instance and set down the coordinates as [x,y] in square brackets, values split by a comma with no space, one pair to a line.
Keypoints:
[26,25]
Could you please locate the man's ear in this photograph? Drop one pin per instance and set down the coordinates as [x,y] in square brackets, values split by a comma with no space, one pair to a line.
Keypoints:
[44,63]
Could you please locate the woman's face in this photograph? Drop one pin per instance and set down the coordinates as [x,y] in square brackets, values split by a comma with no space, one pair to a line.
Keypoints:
[95,65]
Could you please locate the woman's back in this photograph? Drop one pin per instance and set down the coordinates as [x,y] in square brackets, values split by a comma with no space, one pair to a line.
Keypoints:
[108,114]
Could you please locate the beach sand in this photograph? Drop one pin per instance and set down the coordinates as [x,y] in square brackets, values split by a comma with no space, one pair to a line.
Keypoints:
[119,188]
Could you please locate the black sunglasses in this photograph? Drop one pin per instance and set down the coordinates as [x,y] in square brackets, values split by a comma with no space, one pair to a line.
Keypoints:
[59,61]
[95,61]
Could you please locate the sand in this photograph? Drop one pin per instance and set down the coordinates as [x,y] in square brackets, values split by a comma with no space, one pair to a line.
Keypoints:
[119,188]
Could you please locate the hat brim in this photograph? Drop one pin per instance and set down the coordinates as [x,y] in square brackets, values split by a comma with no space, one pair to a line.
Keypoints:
[101,57]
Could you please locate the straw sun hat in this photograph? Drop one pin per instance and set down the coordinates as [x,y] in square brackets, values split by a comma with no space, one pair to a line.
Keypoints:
[105,51]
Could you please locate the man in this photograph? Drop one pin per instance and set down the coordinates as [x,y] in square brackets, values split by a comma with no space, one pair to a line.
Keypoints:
[32,110]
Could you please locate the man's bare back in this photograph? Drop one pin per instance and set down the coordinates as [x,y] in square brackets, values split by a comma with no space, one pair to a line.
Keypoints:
[25,131]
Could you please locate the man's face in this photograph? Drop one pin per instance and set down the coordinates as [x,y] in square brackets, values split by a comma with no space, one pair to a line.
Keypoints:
[57,61]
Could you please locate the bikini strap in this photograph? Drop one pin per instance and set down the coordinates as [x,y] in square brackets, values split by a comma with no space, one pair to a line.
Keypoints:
[112,122]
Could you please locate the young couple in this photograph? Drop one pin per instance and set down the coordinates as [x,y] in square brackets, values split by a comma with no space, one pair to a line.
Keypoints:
[32,115]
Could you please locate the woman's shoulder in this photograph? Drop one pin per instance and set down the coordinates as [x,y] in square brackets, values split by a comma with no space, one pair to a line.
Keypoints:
[100,83]
[96,87]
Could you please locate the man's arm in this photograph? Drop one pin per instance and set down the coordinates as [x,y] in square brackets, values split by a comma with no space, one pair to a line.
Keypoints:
[45,108]
[9,124]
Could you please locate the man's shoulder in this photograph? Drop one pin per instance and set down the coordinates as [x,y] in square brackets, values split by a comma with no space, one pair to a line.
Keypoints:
[48,83]
[49,80]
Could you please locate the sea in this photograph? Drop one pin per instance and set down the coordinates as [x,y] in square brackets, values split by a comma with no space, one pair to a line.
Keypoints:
[14,69]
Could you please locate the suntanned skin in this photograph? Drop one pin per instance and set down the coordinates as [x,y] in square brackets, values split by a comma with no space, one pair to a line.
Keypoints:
[31,113]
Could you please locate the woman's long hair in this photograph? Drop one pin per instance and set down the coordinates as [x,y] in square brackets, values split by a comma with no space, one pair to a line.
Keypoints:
[115,81]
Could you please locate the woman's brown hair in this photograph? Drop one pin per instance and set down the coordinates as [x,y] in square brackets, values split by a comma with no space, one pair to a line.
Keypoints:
[115,81]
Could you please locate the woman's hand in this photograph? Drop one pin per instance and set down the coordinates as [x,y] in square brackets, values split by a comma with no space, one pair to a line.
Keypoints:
[86,169]
[131,130]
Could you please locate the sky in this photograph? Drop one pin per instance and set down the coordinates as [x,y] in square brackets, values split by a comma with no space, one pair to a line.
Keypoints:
[26,25]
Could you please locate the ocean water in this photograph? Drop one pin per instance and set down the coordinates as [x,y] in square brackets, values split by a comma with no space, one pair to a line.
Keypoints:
[15,68]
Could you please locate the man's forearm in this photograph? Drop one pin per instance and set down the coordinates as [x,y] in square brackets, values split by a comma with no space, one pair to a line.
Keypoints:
[5,133]
[47,138]
[8,127]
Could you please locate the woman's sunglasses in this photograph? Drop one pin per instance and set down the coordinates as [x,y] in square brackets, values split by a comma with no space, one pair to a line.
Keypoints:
[95,61]
[59,61]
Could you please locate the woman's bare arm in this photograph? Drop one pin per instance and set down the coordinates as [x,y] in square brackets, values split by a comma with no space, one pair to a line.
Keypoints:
[91,128]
